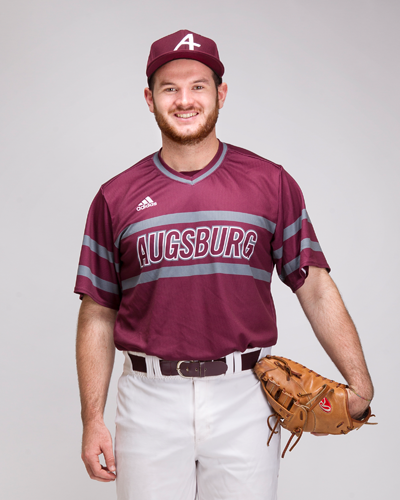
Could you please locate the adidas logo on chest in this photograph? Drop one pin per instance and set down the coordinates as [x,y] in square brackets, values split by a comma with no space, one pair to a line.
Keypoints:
[146,203]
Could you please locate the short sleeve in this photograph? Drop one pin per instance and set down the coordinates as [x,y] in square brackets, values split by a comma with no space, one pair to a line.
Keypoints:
[295,245]
[98,270]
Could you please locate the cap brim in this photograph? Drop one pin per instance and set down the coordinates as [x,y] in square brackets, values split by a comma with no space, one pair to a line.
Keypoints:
[210,61]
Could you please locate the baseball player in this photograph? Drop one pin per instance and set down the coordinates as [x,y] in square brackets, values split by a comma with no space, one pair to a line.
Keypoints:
[175,271]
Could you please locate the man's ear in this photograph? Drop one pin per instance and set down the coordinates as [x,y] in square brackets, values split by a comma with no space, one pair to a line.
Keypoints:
[148,95]
[222,91]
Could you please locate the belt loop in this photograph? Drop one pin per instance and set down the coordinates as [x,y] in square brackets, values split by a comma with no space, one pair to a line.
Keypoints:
[153,367]
[237,356]
[157,367]
[149,366]
[230,363]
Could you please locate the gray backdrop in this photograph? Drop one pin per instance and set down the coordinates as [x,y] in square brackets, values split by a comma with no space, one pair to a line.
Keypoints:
[313,85]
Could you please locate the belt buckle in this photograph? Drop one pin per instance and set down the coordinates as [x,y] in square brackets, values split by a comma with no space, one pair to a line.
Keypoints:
[178,368]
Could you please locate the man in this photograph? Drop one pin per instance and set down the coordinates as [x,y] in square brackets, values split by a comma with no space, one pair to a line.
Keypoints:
[175,270]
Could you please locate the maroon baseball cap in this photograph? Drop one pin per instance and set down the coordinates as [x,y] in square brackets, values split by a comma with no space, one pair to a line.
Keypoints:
[184,44]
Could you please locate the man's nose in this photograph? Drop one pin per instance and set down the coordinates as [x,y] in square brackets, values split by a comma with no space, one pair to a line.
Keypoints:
[184,97]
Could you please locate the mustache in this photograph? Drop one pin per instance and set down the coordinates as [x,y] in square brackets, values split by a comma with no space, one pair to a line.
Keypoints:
[187,109]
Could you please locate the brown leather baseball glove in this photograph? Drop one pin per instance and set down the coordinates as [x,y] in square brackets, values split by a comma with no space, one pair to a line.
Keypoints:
[304,401]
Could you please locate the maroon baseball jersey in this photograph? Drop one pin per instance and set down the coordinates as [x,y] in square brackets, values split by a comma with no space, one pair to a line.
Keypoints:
[187,260]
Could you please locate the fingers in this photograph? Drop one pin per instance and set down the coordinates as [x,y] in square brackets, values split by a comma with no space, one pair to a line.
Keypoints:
[96,441]
[97,471]
[109,458]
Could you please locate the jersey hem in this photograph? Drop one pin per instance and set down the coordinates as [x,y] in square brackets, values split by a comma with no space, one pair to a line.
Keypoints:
[301,282]
[81,291]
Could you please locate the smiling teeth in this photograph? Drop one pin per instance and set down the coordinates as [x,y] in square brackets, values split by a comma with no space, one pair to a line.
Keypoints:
[186,115]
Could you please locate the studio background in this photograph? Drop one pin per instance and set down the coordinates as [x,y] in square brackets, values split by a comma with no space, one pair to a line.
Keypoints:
[313,85]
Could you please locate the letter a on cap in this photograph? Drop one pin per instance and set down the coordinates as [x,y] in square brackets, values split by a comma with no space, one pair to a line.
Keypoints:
[188,40]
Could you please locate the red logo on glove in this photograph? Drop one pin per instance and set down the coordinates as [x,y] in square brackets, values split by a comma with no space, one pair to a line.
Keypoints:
[325,405]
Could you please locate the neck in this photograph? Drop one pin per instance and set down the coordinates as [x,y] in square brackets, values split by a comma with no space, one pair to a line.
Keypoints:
[189,157]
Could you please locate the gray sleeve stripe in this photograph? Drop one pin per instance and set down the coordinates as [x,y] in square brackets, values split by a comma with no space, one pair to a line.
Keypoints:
[107,286]
[97,248]
[290,267]
[277,254]
[305,243]
[193,217]
[294,264]
[196,270]
[294,228]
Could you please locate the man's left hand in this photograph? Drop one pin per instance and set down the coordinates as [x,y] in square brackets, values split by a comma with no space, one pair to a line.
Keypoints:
[357,405]
[357,408]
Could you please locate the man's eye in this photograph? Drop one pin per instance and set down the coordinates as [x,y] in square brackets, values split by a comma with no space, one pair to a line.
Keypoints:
[170,89]
[198,87]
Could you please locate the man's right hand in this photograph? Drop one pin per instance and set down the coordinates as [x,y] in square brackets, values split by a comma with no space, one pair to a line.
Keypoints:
[96,440]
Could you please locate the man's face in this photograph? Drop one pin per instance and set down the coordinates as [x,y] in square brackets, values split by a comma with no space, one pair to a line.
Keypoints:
[185,101]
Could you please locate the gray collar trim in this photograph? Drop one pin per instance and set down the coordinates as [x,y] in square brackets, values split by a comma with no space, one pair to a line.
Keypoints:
[174,177]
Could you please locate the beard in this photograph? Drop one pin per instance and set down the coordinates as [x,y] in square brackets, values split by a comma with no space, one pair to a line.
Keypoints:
[187,139]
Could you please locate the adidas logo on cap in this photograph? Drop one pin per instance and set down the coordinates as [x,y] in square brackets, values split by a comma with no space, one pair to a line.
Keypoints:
[146,203]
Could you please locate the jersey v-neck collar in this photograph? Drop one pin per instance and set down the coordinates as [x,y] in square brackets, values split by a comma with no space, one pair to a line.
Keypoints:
[200,175]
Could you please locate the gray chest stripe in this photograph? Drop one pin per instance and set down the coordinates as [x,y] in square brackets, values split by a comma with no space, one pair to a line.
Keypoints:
[196,270]
[193,217]
[174,177]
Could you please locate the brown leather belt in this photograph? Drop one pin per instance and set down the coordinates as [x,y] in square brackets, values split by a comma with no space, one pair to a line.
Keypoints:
[190,369]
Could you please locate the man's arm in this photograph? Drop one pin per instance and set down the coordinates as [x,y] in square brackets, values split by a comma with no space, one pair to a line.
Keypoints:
[335,330]
[95,353]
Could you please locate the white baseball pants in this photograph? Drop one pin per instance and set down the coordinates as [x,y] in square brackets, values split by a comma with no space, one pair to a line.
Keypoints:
[194,439]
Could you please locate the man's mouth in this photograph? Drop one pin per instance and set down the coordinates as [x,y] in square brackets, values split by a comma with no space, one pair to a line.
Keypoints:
[185,115]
